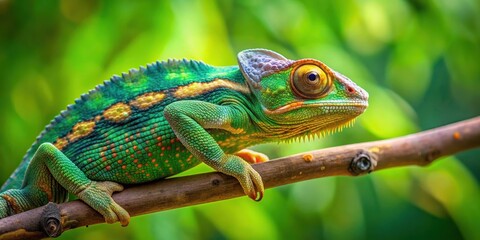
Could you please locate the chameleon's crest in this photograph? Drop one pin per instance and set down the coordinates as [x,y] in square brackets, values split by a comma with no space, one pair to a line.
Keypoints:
[172,65]
[258,63]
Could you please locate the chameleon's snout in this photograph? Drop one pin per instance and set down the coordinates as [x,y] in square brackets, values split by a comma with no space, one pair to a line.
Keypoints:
[353,91]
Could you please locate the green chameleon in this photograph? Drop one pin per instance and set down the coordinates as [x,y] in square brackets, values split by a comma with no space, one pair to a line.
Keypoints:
[158,121]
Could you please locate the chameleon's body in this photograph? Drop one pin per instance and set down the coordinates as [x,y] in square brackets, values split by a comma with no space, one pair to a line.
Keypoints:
[168,117]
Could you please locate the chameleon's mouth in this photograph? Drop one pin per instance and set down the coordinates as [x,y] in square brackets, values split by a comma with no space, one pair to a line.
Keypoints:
[329,106]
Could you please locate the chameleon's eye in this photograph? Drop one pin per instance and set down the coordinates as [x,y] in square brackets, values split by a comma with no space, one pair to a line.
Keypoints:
[310,81]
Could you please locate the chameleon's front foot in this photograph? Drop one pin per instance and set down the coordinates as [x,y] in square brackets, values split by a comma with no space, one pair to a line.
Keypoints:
[250,180]
[98,195]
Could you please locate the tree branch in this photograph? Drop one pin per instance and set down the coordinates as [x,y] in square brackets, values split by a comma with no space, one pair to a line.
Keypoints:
[351,160]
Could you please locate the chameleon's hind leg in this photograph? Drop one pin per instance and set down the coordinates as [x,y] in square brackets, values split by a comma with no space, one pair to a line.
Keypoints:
[39,187]
[50,167]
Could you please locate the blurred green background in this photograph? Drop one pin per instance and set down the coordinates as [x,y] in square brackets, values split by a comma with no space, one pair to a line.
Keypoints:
[419,60]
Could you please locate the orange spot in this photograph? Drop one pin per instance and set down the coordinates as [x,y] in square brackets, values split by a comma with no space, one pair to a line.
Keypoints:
[159,138]
[163,148]
[135,147]
[177,155]
[153,160]
[81,129]
[104,159]
[120,161]
[147,100]
[139,165]
[172,140]
[61,143]
[148,175]
[114,155]
[135,161]
[307,157]
[117,112]
[108,168]
[457,136]
[156,164]
[149,154]
[124,166]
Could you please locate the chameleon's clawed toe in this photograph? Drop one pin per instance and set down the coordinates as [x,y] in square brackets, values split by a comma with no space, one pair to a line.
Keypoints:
[98,196]
[257,186]
[249,179]
[122,215]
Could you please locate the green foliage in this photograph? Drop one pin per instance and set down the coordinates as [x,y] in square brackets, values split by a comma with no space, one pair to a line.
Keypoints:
[419,60]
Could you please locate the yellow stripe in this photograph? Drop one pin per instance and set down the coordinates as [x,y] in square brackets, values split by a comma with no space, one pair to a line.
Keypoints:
[121,111]
[80,130]
[147,100]
[196,88]
[117,112]
[61,143]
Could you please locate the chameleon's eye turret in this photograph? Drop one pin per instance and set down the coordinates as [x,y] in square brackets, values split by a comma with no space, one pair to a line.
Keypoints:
[310,81]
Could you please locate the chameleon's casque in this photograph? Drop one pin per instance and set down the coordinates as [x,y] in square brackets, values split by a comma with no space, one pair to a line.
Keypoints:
[160,120]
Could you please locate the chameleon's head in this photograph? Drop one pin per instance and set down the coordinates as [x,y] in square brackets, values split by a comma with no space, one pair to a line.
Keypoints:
[306,95]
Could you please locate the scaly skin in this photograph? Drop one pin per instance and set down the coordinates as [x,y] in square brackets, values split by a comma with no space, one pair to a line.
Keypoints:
[160,120]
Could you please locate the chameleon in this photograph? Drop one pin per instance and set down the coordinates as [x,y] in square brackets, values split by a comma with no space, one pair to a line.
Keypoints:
[156,121]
